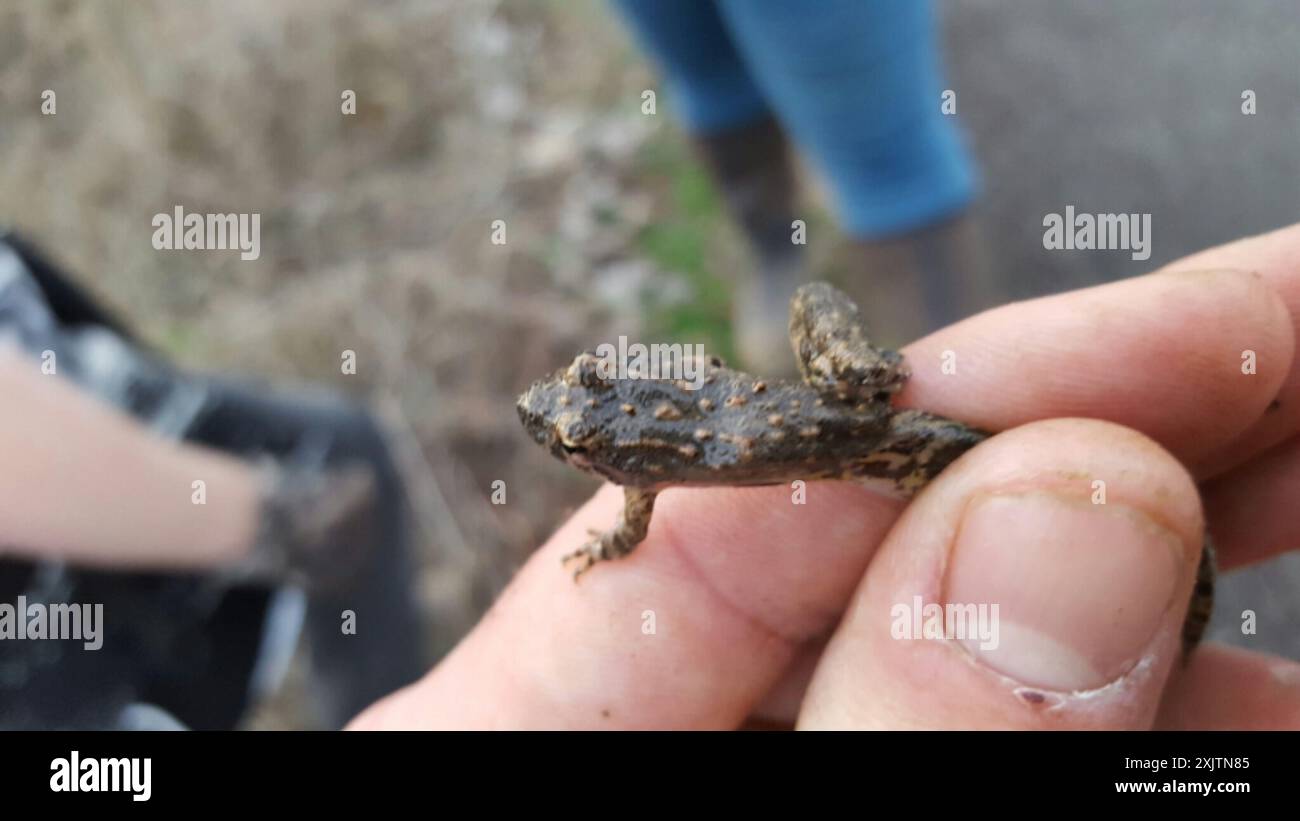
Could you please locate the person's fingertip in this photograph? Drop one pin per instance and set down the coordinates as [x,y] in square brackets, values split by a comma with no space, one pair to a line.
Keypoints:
[1040,582]
[1081,589]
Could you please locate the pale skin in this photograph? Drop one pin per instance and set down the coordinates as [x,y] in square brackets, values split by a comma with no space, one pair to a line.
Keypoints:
[82,482]
[774,613]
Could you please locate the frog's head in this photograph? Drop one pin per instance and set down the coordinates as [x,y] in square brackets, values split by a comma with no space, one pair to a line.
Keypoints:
[570,413]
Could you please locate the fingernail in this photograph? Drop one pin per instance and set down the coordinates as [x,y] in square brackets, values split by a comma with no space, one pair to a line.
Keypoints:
[1081,588]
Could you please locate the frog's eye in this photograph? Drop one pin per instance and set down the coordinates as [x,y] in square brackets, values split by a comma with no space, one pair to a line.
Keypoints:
[572,432]
[590,371]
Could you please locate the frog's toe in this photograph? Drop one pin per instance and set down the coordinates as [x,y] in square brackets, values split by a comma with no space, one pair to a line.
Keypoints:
[583,568]
[585,556]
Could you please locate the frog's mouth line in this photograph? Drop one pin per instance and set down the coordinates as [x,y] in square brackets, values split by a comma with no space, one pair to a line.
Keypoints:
[576,455]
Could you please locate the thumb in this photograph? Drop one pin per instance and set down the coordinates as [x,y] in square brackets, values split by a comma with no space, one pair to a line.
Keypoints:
[1040,582]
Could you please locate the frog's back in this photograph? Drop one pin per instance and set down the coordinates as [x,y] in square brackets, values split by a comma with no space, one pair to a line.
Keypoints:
[732,430]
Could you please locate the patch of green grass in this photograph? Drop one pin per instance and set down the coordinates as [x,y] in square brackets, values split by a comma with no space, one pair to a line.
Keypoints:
[680,243]
[180,340]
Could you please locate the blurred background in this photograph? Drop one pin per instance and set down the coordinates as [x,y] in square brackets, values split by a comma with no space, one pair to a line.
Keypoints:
[376,227]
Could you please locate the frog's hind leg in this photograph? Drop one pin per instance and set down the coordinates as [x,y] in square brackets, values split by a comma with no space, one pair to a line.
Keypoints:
[622,538]
[1202,603]
[834,352]
[915,449]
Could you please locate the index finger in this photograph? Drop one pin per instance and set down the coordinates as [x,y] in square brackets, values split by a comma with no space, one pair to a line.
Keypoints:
[1192,359]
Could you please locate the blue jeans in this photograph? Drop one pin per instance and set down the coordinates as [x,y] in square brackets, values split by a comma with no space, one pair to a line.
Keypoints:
[856,83]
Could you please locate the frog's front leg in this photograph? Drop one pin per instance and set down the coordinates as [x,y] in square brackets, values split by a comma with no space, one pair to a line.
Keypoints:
[835,355]
[623,537]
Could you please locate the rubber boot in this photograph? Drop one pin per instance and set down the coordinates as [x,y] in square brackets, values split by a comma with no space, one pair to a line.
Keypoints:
[910,285]
[752,167]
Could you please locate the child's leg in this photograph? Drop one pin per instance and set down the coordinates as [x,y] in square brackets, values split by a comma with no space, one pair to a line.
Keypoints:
[746,152]
[859,87]
[709,86]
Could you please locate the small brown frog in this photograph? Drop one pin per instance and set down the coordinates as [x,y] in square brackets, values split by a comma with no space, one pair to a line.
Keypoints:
[736,429]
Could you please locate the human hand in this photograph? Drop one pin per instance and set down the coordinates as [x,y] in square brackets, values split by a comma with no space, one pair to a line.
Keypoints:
[763,609]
